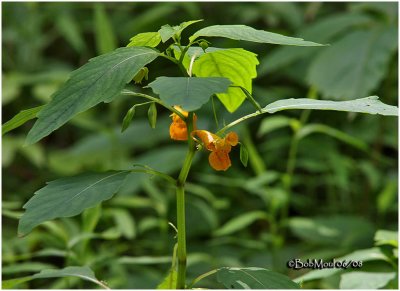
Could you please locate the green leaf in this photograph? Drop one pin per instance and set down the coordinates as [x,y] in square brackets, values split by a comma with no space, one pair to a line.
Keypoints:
[385,199]
[169,281]
[272,123]
[355,65]
[189,93]
[90,218]
[238,65]
[185,24]
[150,39]
[254,278]
[11,283]
[67,197]
[167,31]
[240,222]
[145,260]
[370,105]
[20,119]
[100,80]
[247,33]
[386,237]
[84,273]
[24,267]
[124,222]
[365,280]
[152,115]
[70,29]
[244,155]
[104,34]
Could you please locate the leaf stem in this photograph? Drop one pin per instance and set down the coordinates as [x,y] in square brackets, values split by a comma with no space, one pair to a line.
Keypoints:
[233,123]
[201,277]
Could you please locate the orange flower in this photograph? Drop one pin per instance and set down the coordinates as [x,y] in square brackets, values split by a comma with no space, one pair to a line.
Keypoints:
[219,147]
[178,128]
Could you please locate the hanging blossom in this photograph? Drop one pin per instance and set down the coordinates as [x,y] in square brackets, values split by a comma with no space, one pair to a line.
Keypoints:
[178,128]
[219,147]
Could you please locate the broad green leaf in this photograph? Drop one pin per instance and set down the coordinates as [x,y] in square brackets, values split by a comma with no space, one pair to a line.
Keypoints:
[254,278]
[365,255]
[69,196]
[151,39]
[189,93]
[365,280]
[20,119]
[240,222]
[272,123]
[247,33]
[100,80]
[169,281]
[238,65]
[355,65]
[84,273]
[104,33]
[193,51]
[386,237]
[370,105]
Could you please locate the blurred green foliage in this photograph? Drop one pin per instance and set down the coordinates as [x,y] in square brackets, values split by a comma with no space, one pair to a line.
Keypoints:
[342,177]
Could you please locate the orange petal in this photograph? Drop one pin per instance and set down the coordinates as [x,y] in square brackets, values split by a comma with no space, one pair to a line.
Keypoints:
[178,131]
[219,160]
[232,138]
[209,139]
[178,128]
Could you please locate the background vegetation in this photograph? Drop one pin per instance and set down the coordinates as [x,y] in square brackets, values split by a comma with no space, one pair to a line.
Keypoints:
[340,169]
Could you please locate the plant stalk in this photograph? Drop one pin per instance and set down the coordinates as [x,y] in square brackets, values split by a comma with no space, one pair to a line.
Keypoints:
[180,206]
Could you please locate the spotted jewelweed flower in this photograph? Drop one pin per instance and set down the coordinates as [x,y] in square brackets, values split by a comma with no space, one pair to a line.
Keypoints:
[178,128]
[219,147]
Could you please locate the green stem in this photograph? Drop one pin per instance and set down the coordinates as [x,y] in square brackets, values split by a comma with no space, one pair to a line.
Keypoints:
[233,123]
[201,277]
[180,206]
